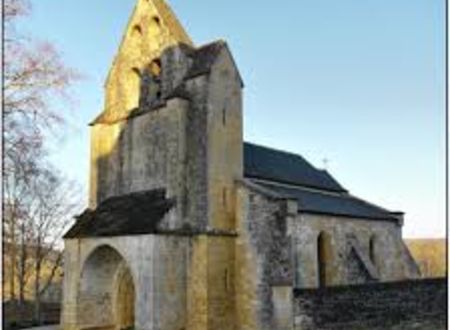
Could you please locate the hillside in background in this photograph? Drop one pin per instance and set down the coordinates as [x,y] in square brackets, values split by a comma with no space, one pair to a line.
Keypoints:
[429,255]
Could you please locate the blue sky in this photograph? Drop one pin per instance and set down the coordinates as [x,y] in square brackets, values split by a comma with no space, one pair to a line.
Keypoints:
[358,82]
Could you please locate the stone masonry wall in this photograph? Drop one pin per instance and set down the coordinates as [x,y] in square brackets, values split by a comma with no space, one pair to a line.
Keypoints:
[139,154]
[391,258]
[415,304]
[221,306]
[263,259]
[195,203]
[159,268]
[225,154]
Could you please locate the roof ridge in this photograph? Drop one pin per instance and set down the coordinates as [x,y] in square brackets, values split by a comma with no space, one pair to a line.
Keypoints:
[285,166]
[371,204]
[344,205]
[279,150]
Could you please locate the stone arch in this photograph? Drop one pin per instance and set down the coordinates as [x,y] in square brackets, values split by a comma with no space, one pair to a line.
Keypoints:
[136,32]
[154,35]
[106,291]
[155,25]
[151,89]
[136,42]
[324,255]
[155,67]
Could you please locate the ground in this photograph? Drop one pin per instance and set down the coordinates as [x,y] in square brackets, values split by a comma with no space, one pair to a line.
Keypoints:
[46,327]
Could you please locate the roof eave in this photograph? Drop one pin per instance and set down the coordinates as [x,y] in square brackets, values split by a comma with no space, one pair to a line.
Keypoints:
[348,216]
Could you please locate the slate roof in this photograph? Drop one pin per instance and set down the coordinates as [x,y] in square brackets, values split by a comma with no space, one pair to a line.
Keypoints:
[132,214]
[280,166]
[339,204]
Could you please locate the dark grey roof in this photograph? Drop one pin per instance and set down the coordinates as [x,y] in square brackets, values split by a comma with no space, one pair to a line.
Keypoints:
[274,165]
[339,204]
[132,214]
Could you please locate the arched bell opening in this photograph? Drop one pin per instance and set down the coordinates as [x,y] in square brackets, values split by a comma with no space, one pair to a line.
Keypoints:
[106,293]
[133,88]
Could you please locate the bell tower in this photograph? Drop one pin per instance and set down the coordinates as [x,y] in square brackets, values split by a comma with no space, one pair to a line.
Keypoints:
[134,82]
[172,120]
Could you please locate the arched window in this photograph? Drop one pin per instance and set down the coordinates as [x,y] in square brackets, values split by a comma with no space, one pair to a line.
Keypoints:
[372,249]
[226,278]
[154,89]
[134,45]
[155,67]
[156,21]
[154,26]
[136,72]
[224,116]
[224,198]
[323,259]
[137,31]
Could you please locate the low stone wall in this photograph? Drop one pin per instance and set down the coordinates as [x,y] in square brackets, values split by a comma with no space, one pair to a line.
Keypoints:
[415,304]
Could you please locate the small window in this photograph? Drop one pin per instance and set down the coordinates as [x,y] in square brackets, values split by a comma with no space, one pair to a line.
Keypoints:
[323,259]
[156,20]
[137,30]
[226,280]
[136,72]
[372,249]
[136,40]
[224,116]
[154,27]
[133,88]
[224,198]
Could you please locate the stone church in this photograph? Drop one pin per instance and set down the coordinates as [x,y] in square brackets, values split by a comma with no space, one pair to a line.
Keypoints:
[190,227]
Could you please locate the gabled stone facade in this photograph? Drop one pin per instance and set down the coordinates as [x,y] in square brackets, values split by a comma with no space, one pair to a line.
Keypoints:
[188,227]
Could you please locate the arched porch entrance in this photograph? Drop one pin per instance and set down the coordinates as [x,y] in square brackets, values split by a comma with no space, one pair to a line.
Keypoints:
[106,295]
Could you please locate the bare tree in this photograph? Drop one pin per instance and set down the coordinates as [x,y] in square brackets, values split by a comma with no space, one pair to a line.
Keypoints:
[16,227]
[54,200]
[40,204]
[35,78]
[34,75]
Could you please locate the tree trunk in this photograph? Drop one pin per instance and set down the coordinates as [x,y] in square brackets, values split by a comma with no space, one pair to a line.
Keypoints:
[22,266]
[12,269]
[12,265]
[37,282]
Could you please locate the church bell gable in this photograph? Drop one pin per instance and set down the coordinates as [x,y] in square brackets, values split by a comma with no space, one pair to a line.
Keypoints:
[152,29]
